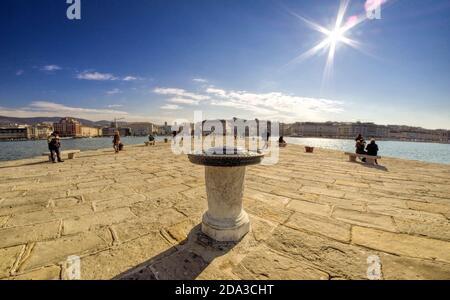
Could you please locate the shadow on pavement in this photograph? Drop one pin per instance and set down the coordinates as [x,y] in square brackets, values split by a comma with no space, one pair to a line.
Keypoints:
[182,261]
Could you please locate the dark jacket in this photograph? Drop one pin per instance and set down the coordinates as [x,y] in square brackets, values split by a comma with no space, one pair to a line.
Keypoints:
[116,140]
[360,145]
[372,149]
[53,142]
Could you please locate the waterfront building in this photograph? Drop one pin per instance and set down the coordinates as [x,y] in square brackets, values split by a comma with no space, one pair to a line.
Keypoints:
[68,127]
[87,131]
[312,129]
[108,131]
[21,132]
[41,131]
[142,129]
[164,129]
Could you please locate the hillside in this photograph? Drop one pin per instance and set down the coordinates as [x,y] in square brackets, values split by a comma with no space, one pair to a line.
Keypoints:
[36,120]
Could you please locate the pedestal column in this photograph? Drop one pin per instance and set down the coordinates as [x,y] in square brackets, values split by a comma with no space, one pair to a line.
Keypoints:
[225,219]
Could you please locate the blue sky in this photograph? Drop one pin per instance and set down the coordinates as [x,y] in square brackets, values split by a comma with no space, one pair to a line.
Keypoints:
[162,60]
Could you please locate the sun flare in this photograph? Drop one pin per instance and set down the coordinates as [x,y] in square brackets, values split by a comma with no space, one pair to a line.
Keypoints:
[338,34]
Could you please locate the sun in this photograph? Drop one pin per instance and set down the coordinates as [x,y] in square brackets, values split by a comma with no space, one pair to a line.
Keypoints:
[336,36]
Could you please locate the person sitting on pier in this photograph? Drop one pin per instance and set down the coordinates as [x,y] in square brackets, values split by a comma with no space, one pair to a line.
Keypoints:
[282,142]
[359,137]
[372,149]
[54,144]
[116,142]
[360,148]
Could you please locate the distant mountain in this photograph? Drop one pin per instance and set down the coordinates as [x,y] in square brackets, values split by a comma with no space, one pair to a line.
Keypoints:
[32,121]
[103,123]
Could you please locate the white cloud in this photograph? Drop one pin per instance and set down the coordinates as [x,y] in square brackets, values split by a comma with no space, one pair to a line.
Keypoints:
[174,92]
[170,107]
[51,68]
[19,72]
[217,92]
[51,109]
[96,76]
[115,105]
[130,78]
[92,75]
[277,105]
[51,106]
[114,92]
[181,100]
[273,105]
[200,80]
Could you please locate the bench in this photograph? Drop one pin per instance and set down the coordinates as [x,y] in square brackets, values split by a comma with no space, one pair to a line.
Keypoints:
[70,154]
[369,158]
[152,143]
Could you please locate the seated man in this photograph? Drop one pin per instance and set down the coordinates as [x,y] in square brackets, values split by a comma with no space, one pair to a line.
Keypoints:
[372,149]
[151,138]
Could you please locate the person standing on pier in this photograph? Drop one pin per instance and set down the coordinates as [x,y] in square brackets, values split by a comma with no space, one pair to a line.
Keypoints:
[54,144]
[116,142]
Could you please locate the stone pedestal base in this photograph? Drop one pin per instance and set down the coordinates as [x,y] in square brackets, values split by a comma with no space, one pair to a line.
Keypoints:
[226,230]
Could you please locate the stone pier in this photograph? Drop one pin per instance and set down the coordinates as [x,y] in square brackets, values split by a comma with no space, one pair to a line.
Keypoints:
[138,215]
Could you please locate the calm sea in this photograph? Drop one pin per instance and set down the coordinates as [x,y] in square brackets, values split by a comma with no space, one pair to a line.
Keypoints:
[429,152]
[27,149]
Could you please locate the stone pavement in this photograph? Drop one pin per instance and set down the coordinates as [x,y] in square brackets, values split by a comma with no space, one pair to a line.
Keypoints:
[136,215]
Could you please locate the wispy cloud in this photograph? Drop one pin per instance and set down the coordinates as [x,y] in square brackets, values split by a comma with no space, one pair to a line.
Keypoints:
[96,76]
[51,68]
[19,72]
[181,100]
[114,92]
[170,107]
[115,105]
[174,92]
[52,109]
[55,107]
[200,80]
[130,78]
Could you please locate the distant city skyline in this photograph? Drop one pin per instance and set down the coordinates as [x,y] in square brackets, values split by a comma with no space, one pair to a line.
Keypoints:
[157,61]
